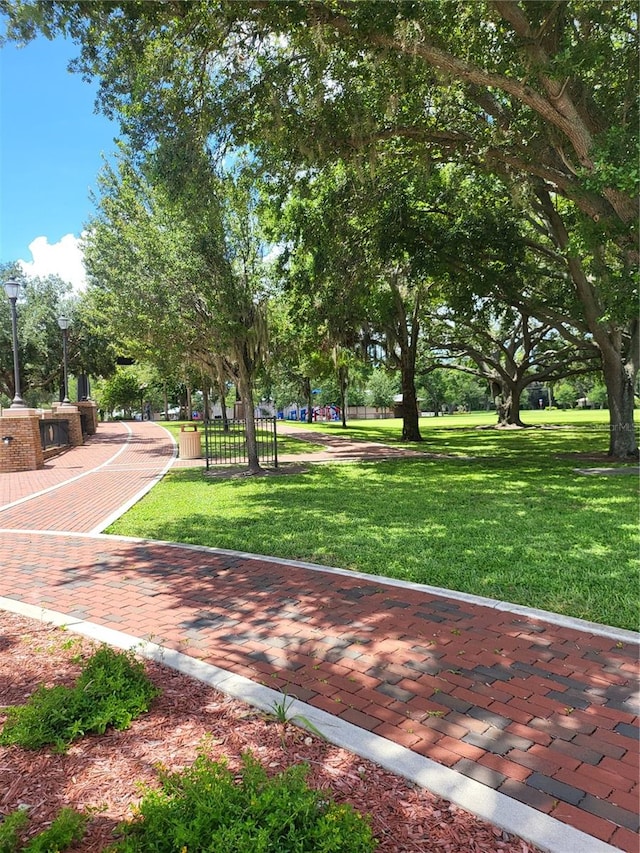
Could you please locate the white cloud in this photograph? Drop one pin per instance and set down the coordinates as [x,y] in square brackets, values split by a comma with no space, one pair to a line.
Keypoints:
[63,259]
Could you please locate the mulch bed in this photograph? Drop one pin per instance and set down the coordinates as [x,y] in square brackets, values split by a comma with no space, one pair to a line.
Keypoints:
[102,774]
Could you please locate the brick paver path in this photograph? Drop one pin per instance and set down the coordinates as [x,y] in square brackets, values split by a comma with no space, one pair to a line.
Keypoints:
[543,713]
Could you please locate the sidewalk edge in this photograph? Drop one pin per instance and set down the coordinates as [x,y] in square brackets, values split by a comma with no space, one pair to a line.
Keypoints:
[547,833]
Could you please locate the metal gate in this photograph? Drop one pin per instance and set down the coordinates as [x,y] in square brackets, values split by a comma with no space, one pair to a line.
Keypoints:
[226,444]
[53,433]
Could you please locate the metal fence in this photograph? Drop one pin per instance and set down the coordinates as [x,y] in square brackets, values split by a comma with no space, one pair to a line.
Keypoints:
[54,433]
[226,444]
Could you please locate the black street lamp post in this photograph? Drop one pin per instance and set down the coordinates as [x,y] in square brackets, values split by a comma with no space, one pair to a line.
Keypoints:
[12,289]
[63,322]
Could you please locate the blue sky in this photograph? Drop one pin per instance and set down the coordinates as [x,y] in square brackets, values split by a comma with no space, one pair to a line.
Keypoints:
[51,147]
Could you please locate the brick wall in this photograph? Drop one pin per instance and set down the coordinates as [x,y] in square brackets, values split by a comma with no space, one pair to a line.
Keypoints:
[20,446]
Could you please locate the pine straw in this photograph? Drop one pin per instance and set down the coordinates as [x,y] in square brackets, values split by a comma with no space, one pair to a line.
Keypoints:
[102,775]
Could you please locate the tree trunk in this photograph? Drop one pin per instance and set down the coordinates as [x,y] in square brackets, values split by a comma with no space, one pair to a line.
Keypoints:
[309,395]
[619,380]
[619,368]
[508,406]
[410,419]
[407,332]
[245,388]
[222,391]
[343,377]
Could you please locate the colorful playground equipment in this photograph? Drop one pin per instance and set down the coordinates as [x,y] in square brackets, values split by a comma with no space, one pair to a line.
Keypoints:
[319,413]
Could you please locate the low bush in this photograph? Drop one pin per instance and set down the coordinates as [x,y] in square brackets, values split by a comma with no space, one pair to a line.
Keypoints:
[10,828]
[112,690]
[67,828]
[207,809]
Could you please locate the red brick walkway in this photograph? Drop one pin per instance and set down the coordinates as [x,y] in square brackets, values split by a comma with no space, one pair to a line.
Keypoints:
[543,713]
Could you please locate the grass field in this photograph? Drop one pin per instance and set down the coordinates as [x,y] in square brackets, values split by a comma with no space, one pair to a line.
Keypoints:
[389,430]
[497,513]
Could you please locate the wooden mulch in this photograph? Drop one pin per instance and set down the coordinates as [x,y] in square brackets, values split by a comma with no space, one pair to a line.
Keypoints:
[101,775]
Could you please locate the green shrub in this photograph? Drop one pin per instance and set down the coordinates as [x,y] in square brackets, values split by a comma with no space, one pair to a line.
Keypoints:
[10,828]
[205,810]
[113,689]
[116,687]
[67,828]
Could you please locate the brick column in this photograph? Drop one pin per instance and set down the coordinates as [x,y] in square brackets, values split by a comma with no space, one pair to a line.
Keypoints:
[69,412]
[89,409]
[20,445]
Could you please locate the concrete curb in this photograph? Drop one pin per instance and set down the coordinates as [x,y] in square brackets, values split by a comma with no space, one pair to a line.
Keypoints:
[545,832]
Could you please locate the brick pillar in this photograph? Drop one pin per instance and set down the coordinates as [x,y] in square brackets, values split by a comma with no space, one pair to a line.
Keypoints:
[69,412]
[89,409]
[20,444]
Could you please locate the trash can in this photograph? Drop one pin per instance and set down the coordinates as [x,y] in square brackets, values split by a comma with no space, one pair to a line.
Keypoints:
[190,445]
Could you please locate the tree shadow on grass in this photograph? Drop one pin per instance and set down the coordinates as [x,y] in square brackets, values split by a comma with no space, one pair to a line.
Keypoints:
[525,530]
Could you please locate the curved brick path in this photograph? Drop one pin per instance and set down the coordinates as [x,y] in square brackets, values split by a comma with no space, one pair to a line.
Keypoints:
[537,710]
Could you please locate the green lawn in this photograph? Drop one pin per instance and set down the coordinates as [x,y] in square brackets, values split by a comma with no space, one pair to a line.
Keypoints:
[438,429]
[502,514]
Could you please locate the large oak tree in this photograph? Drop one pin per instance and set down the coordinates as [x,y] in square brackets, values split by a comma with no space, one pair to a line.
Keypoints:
[541,93]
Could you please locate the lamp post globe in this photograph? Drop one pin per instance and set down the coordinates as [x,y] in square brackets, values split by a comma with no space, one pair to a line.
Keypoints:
[64,322]
[12,289]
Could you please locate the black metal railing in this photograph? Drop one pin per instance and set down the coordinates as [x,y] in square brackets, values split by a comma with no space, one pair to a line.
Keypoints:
[226,443]
[54,433]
